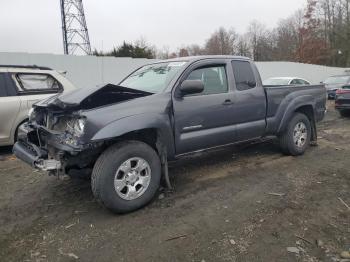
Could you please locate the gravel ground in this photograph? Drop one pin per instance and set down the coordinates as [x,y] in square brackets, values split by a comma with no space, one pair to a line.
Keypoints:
[246,203]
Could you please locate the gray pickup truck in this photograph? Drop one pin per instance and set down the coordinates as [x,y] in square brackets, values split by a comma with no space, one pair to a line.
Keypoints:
[124,135]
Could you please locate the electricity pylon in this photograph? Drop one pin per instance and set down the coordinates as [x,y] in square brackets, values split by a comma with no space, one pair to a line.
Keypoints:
[75,33]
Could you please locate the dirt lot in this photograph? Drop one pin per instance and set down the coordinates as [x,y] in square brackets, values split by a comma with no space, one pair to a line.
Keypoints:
[248,203]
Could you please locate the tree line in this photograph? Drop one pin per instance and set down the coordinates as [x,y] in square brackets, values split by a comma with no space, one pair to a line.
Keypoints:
[317,34]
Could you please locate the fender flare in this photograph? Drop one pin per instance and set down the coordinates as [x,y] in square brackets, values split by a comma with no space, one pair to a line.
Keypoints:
[296,103]
[120,127]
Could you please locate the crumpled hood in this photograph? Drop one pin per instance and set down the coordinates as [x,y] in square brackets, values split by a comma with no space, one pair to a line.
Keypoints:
[89,98]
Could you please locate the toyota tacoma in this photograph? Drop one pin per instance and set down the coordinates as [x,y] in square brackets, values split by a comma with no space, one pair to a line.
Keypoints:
[124,135]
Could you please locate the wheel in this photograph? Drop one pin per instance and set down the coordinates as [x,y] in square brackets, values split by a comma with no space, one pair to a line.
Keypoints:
[126,176]
[297,136]
[344,113]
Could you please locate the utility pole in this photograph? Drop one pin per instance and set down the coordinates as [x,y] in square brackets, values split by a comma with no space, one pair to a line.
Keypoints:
[74,29]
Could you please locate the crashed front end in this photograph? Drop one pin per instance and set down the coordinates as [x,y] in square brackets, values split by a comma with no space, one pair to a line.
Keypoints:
[55,140]
[58,136]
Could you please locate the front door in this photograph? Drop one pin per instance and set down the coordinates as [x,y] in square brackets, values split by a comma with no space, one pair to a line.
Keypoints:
[203,120]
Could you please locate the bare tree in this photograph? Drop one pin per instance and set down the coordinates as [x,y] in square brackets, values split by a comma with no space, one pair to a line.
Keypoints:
[243,46]
[221,42]
[195,50]
[183,52]
[261,41]
[287,37]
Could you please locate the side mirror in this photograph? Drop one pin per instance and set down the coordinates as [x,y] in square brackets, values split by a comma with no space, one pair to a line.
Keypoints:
[191,87]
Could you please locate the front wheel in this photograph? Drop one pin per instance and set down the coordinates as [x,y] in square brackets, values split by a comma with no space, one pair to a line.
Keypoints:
[296,138]
[126,176]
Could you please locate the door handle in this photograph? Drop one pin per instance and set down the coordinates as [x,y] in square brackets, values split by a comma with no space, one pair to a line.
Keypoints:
[227,102]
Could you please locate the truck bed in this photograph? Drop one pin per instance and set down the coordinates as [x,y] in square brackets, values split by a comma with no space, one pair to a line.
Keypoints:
[280,98]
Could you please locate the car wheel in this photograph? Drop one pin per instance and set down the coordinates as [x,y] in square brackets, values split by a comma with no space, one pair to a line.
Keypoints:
[296,138]
[126,176]
[344,113]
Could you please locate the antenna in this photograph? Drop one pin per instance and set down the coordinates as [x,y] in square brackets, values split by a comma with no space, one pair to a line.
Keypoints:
[74,29]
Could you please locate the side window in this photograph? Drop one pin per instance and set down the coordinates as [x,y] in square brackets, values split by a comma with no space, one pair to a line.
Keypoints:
[37,82]
[3,92]
[294,82]
[298,82]
[304,82]
[214,79]
[244,75]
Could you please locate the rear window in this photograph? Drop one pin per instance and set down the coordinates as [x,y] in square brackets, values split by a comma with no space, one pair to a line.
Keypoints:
[38,82]
[244,75]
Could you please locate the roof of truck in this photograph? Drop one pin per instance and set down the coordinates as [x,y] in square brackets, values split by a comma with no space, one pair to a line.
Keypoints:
[202,57]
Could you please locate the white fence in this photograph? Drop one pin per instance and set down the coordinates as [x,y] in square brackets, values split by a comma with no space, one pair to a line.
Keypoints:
[314,73]
[85,71]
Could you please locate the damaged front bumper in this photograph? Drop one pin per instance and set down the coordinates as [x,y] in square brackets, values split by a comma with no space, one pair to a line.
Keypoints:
[43,149]
[35,157]
[32,154]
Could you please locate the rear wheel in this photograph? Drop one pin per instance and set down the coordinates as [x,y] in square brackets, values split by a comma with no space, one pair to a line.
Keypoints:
[126,176]
[344,113]
[296,138]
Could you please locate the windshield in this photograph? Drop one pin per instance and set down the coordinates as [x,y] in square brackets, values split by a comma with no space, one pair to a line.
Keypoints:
[337,80]
[276,82]
[153,78]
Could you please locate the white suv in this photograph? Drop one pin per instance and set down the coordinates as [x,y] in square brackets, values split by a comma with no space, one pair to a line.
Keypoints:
[20,88]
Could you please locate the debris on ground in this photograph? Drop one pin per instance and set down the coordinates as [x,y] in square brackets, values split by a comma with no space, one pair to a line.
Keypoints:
[276,194]
[345,254]
[71,255]
[294,250]
[344,203]
[232,242]
[176,237]
[161,196]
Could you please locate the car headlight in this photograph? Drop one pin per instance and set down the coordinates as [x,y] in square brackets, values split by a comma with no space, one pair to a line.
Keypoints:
[76,126]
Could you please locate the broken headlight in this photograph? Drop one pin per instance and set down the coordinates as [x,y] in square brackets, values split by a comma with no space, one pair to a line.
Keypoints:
[76,126]
[31,114]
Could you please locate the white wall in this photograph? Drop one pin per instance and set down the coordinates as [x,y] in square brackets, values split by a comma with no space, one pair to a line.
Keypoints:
[314,73]
[86,71]
[83,71]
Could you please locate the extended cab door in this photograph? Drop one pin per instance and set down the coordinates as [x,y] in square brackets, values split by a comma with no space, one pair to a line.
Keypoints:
[249,106]
[203,120]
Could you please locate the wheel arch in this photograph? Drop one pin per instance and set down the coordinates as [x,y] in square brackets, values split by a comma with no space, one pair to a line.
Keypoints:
[308,111]
[154,130]
[302,104]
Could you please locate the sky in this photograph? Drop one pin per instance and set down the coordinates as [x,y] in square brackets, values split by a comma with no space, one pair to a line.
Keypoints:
[35,25]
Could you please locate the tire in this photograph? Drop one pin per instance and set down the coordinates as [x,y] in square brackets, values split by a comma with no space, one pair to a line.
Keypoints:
[288,145]
[344,113]
[112,169]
